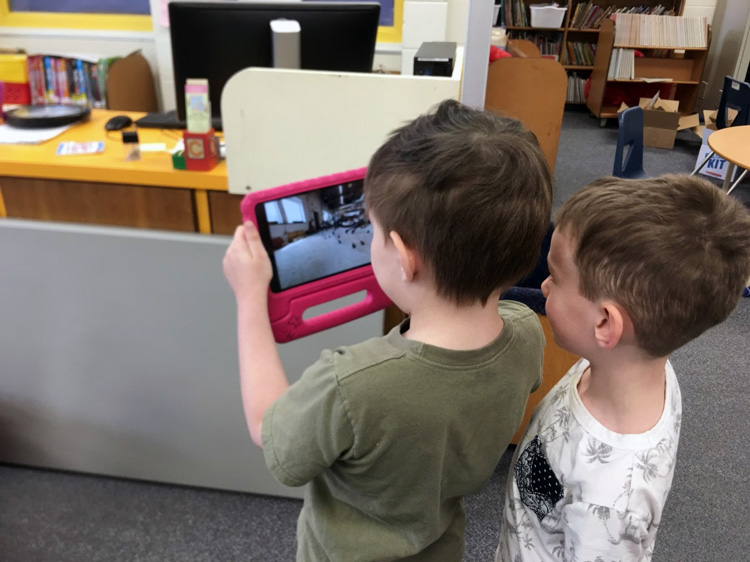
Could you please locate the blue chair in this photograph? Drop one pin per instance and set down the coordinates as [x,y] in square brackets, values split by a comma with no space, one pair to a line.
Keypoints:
[735,95]
[629,152]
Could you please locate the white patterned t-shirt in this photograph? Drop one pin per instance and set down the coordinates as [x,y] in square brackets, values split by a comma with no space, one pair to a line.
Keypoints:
[578,492]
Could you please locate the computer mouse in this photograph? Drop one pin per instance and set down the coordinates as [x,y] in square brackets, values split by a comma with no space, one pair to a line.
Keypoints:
[118,122]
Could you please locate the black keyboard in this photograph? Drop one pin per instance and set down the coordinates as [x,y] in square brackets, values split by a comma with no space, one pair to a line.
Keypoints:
[169,120]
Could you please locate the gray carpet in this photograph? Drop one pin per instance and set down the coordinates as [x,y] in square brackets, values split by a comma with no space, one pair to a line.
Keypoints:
[48,516]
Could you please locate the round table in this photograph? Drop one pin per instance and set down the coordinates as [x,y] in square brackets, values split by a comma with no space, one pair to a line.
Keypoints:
[732,144]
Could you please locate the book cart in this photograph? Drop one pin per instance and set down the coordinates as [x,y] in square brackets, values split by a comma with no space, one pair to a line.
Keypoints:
[677,68]
[574,43]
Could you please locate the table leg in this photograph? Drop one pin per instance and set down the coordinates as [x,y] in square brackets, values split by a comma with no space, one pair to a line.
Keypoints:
[202,211]
[728,177]
[3,210]
[738,180]
[703,163]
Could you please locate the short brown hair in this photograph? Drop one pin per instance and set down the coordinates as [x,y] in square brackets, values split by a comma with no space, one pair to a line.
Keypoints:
[674,251]
[469,191]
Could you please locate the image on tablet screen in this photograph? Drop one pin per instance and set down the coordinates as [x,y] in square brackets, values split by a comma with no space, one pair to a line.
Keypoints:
[319,233]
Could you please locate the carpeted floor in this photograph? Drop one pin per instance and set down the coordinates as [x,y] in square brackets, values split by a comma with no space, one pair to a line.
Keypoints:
[48,516]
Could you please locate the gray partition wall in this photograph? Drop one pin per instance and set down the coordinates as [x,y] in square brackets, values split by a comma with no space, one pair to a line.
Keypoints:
[118,356]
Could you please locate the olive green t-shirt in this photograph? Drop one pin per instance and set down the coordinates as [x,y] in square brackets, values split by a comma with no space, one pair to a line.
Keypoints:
[390,434]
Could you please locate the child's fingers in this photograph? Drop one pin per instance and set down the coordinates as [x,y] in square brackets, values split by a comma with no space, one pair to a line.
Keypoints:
[238,241]
[252,236]
[250,230]
[239,233]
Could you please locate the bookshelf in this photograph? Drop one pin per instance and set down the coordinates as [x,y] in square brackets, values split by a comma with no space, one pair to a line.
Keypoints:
[574,43]
[680,66]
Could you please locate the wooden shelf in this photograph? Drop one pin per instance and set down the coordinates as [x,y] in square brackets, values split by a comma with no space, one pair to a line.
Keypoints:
[608,111]
[528,28]
[684,72]
[653,48]
[683,75]
[665,82]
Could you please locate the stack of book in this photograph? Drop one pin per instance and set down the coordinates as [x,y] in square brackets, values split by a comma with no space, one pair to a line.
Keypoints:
[576,86]
[547,46]
[588,15]
[515,13]
[675,32]
[622,65]
[502,14]
[580,53]
[56,79]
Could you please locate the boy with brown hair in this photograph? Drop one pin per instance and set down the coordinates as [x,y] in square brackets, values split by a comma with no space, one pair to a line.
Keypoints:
[390,434]
[638,268]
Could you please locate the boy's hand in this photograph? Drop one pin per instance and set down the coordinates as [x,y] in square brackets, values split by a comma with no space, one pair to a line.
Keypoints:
[248,269]
[247,266]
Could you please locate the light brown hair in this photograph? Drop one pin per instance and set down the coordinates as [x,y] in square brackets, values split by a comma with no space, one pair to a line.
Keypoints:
[469,191]
[674,251]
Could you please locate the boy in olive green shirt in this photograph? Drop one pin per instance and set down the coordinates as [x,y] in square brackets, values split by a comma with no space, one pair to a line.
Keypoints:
[390,434]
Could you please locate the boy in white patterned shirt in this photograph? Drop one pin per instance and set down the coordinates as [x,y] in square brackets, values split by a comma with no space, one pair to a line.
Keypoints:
[638,268]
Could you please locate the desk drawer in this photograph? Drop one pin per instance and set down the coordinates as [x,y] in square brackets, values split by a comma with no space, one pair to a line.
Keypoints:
[160,208]
[225,212]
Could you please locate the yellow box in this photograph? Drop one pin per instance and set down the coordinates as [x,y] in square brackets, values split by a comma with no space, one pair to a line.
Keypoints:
[13,68]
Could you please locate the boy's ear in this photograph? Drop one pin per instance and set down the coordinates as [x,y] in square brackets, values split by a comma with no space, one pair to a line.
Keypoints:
[613,323]
[406,256]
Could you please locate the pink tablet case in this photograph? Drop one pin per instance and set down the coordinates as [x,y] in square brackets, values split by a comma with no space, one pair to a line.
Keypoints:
[286,308]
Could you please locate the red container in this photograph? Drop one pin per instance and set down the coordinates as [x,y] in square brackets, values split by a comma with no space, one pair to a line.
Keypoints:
[17,93]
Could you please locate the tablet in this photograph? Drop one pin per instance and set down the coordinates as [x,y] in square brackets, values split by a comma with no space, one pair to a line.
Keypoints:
[318,236]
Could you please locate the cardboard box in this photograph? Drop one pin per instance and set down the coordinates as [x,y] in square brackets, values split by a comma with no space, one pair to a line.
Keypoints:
[660,127]
[709,120]
[662,120]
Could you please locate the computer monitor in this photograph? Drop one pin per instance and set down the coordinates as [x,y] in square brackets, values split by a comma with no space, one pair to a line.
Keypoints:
[215,40]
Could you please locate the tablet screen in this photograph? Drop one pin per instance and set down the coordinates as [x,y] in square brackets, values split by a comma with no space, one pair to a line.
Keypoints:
[315,234]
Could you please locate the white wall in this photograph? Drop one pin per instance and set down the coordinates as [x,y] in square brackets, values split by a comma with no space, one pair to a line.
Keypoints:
[700,8]
[729,26]
[431,20]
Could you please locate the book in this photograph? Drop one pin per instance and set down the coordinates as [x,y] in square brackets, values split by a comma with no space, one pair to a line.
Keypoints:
[35,66]
[674,32]
[69,80]
[50,90]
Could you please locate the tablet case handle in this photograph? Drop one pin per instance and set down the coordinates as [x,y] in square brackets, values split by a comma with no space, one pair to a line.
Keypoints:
[294,326]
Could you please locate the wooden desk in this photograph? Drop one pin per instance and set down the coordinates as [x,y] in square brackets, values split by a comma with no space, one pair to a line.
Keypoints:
[104,189]
[732,144]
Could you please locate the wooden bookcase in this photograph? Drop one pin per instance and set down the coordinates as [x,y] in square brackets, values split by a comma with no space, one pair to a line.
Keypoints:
[684,67]
[567,34]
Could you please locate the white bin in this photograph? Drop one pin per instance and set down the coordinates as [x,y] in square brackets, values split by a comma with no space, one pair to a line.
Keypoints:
[547,16]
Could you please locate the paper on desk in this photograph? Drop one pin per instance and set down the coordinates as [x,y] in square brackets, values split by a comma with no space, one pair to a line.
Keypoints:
[14,135]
